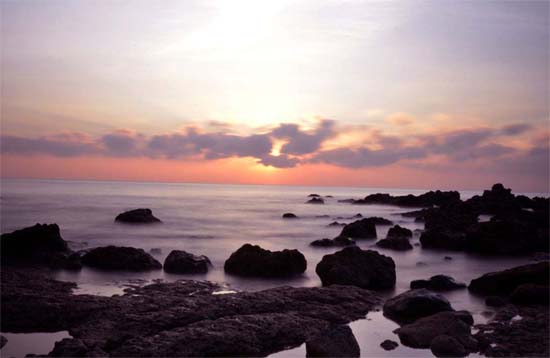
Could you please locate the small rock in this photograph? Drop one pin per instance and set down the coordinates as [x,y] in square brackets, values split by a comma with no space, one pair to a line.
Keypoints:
[120,258]
[315,200]
[395,243]
[289,216]
[337,341]
[184,262]
[415,304]
[447,258]
[360,229]
[389,345]
[336,223]
[137,216]
[337,241]
[438,283]
[398,231]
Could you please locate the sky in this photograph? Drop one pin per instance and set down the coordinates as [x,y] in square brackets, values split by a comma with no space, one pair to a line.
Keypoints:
[408,94]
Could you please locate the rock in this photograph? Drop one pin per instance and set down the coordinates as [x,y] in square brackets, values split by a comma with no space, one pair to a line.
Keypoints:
[3,341]
[398,231]
[155,251]
[530,294]
[360,229]
[421,264]
[289,216]
[184,262]
[495,301]
[447,258]
[447,346]
[336,223]
[177,319]
[505,282]
[120,258]
[389,345]
[313,195]
[315,200]
[395,243]
[329,196]
[137,216]
[353,266]
[428,199]
[422,332]
[337,341]
[443,239]
[337,241]
[415,304]
[252,260]
[40,244]
[438,283]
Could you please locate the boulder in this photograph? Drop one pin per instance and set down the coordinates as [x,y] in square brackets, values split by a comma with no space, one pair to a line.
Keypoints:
[337,341]
[3,341]
[289,216]
[120,258]
[422,332]
[447,346]
[415,304]
[184,262]
[337,241]
[398,231]
[395,243]
[137,216]
[530,294]
[315,200]
[438,283]
[360,229]
[389,345]
[428,199]
[336,223]
[353,266]
[252,260]
[505,282]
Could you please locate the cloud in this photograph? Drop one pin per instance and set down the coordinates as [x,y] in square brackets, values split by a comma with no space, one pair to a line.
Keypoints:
[300,142]
[400,119]
[122,143]
[515,129]
[62,145]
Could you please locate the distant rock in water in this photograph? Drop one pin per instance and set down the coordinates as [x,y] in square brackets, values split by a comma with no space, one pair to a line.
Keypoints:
[289,216]
[389,345]
[336,223]
[398,231]
[137,216]
[120,258]
[337,241]
[314,196]
[252,260]
[438,283]
[414,304]
[337,341]
[428,199]
[395,243]
[184,262]
[505,282]
[360,229]
[315,200]
[353,266]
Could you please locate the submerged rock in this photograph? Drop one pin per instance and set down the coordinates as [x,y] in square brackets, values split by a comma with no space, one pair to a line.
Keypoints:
[438,283]
[315,200]
[137,216]
[353,266]
[120,258]
[289,216]
[395,243]
[414,304]
[184,262]
[398,231]
[336,223]
[252,260]
[389,345]
[505,282]
[337,341]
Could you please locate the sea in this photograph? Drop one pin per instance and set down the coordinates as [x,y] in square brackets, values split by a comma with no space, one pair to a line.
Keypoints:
[215,220]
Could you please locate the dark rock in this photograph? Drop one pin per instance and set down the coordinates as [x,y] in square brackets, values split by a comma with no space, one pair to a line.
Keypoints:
[3,341]
[422,332]
[329,196]
[252,260]
[336,223]
[346,200]
[289,216]
[398,231]
[438,283]
[530,294]
[540,256]
[177,319]
[137,216]
[389,345]
[360,229]
[447,346]
[315,200]
[443,239]
[353,266]
[421,263]
[415,304]
[184,262]
[428,199]
[379,221]
[337,241]
[120,258]
[447,258]
[40,244]
[356,216]
[313,195]
[337,341]
[495,301]
[395,243]
[505,282]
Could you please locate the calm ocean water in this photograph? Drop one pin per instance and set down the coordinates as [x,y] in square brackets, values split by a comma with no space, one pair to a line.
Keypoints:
[215,220]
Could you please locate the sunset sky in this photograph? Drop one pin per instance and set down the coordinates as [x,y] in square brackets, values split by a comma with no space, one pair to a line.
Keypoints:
[410,94]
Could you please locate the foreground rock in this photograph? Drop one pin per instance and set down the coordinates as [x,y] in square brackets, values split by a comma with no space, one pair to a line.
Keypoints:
[177,319]
[395,243]
[184,262]
[422,332]
[505,282]
[353,266]
[137,216]
[252,260]
[120,258]
[336,341]
[414,304]
[438,283]
[337,241]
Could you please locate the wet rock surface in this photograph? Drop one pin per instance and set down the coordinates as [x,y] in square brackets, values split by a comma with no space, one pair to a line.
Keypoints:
[252,260]
[398,231]
[184,262]
[337,341]
[137,216]
[182,318]
[360,229]
[414,304]
[438,283]
[120,258]
[395,243]
[337,241]
[354,266]
[505,282]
